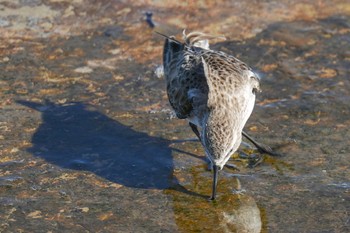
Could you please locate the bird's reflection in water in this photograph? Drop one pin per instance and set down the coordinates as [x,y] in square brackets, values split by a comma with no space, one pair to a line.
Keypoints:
[229,213]
[245,217]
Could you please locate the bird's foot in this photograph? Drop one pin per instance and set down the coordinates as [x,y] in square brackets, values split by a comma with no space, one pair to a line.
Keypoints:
[264,149]
[232,166]
[255,160]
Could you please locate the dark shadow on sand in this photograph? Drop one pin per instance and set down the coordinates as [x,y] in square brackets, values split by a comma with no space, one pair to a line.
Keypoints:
[76,136]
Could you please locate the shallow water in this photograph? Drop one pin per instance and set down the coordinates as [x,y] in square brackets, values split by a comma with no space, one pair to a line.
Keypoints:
[89,142]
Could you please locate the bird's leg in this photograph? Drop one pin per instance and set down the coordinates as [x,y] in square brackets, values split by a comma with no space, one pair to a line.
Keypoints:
[195,130]
[215,181]
[261,147]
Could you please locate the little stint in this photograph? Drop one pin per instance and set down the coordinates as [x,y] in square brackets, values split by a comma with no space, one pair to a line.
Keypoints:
[214,91]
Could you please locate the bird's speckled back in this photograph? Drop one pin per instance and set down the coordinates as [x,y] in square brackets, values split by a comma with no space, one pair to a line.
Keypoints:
[183,70]
[212,89]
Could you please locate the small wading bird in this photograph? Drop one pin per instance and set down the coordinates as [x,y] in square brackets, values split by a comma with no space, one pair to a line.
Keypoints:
[214,91]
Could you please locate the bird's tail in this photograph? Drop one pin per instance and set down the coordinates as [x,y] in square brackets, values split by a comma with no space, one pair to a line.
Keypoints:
[172,50]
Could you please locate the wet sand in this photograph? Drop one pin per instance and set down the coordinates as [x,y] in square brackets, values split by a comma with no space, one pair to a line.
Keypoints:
[89,142]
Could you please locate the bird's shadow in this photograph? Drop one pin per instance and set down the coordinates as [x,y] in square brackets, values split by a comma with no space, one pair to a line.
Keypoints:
[77,136]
